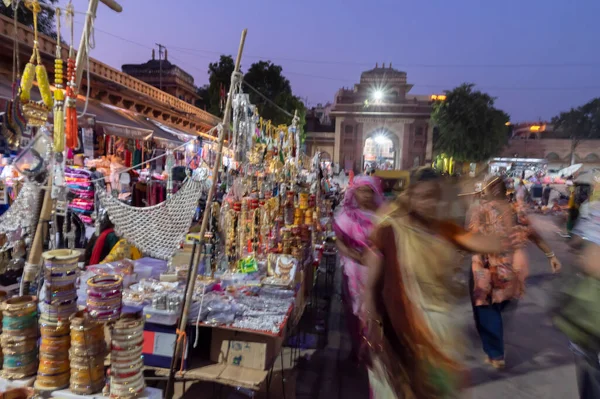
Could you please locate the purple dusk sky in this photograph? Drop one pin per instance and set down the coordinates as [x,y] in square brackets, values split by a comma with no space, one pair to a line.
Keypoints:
[537,57]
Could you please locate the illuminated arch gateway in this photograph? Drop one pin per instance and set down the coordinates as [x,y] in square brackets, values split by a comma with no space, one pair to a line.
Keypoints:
[378,121]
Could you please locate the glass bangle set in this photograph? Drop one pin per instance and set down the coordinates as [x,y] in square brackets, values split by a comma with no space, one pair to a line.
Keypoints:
[127,364]
[57,305]
[19,337]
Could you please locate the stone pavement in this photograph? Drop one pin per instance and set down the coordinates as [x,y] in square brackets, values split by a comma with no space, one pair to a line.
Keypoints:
[539,363]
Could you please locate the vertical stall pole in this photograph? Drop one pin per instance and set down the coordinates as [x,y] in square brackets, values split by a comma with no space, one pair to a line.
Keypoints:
[189,288]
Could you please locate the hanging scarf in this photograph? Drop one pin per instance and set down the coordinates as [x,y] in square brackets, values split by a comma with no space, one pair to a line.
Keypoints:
[99,246]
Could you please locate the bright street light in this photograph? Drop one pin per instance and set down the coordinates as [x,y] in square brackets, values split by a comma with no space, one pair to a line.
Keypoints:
[380,139]
[378,95]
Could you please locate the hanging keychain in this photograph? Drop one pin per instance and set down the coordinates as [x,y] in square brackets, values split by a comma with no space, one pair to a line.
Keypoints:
[71,109]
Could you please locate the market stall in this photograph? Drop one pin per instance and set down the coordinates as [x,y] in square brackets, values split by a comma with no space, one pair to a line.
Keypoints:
[80,324]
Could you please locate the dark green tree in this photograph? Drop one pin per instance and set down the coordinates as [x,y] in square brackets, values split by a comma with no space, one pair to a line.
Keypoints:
[267,78]
[218,84]
[471,129]
[578,124]
[203,102]
[46,18]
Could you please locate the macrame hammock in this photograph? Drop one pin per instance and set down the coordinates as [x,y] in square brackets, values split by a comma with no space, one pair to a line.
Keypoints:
[21,216]
[158,230]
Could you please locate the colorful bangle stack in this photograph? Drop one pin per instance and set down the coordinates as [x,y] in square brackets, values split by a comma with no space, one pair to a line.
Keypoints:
[127,365]
[104,299]
[87,353]
[58,304]
[60,274]
[19,337]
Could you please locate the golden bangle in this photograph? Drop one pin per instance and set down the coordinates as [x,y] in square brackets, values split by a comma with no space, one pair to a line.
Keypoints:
[52,367]
[52,382]
[105,282]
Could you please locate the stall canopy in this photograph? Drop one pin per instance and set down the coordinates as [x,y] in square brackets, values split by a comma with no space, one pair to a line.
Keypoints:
[159,130]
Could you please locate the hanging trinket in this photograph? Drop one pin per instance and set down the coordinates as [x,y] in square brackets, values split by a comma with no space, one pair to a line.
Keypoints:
[36,113]
[71,108]
[59,95]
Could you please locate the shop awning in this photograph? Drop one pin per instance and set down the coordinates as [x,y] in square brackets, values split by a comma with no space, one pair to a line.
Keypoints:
[127,132]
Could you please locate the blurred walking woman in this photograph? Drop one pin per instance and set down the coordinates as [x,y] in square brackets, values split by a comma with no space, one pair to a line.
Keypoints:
[409,295]
[498,279]
[353,226]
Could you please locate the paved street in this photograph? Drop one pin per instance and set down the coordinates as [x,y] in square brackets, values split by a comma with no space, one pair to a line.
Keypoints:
[539,364]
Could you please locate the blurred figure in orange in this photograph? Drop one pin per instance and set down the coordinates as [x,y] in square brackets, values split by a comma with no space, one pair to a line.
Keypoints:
[497,279]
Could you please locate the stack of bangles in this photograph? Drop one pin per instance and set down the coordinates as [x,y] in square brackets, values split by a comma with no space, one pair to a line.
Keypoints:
[60,275]
[19,337]
[127,365]
[104,299]
[56,307]
[87,353]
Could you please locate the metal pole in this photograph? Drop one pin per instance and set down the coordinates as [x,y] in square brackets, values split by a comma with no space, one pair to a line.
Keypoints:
[192,280]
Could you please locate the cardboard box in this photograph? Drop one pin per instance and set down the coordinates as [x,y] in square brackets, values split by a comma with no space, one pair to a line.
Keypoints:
[239,364]
[272,345]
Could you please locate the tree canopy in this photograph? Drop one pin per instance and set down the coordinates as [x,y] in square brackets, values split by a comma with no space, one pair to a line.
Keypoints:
[46,18]
[470,128]
[219,79]
[579,123]
[264,76]
[268,79]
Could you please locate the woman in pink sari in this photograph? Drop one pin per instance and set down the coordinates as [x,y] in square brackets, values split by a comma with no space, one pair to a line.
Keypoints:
[353,225]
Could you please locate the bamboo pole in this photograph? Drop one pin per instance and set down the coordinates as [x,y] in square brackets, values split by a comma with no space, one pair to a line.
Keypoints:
[189,290]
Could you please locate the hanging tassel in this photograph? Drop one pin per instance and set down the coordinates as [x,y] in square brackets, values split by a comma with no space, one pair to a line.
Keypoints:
[59,130]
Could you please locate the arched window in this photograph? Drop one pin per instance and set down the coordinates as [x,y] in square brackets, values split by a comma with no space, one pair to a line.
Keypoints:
[553,157]
[417,162]
[591,158]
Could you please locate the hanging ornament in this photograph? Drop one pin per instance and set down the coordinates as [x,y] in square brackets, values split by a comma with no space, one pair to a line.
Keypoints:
[36,112]
[59,94]
[71,108]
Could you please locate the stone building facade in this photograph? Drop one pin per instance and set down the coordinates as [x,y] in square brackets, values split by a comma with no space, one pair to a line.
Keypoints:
[378,107]
[539,140]
[166,76]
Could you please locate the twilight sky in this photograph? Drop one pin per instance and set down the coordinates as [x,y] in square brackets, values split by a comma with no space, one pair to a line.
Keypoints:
[537,57]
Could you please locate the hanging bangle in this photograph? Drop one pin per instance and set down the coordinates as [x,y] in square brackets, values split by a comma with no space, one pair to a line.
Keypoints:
[550,255]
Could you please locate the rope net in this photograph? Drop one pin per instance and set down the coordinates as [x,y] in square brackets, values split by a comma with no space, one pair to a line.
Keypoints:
[158,230]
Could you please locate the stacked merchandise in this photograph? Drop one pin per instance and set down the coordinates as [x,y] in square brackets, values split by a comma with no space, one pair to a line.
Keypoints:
[80,184]
[19,337]
[127,364]
[87,353]
[59,303]
[104,297]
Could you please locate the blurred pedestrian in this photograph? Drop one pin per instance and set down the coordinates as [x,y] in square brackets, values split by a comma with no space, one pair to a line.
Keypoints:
[410,290]
[579,316]
[498,279]
[353,225]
